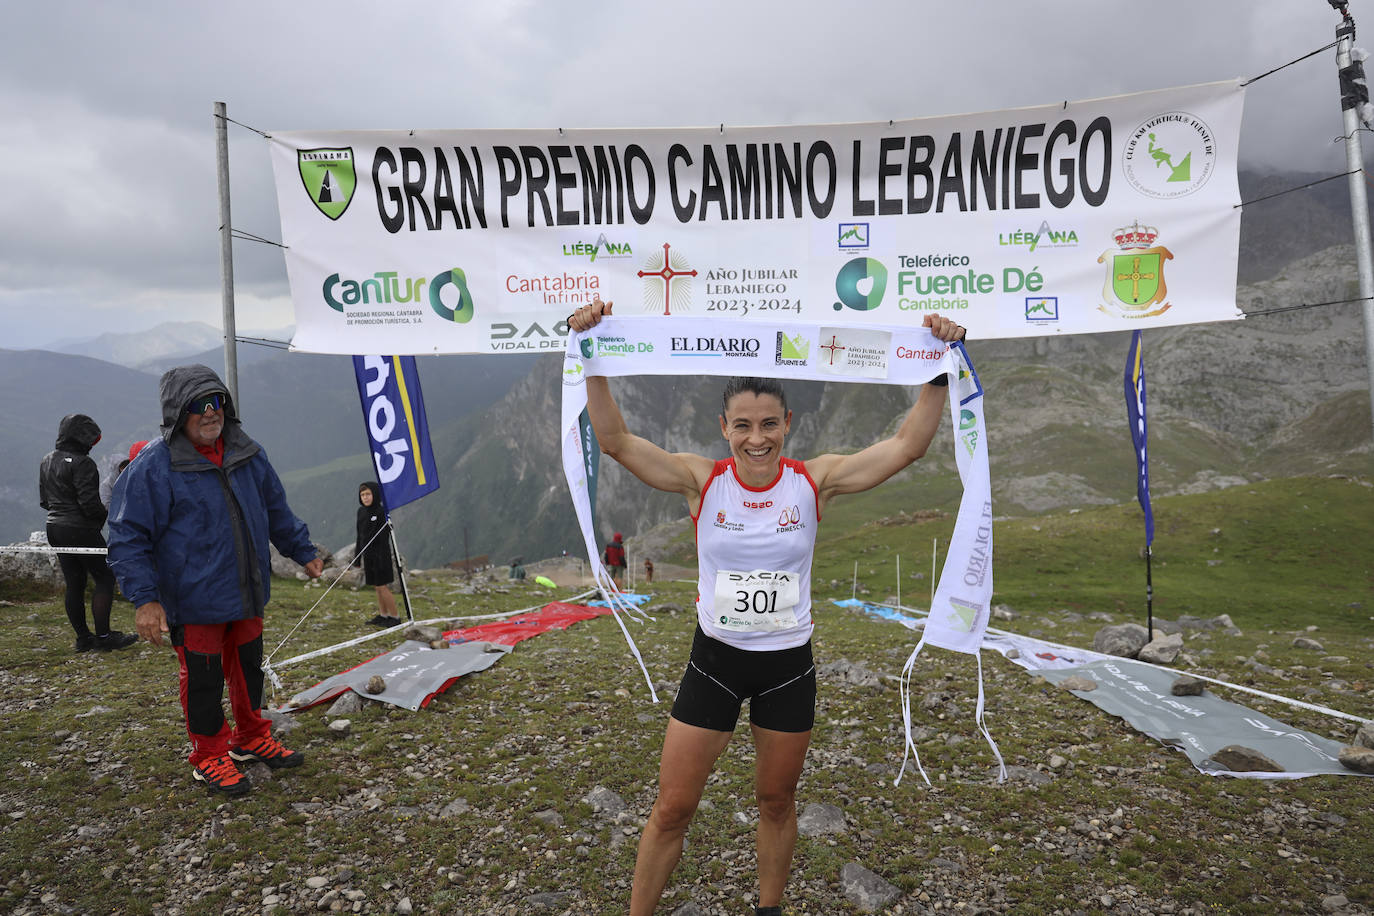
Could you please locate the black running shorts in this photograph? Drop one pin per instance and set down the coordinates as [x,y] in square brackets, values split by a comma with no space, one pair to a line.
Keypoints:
[779,685]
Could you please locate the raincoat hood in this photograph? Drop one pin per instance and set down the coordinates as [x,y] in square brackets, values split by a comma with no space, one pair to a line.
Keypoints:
[376,493]
[179,386]
[77,433]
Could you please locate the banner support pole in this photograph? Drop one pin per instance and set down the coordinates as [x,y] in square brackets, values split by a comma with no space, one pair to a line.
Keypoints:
[1359,206]
[1149,595]
[226,258]
[400,568]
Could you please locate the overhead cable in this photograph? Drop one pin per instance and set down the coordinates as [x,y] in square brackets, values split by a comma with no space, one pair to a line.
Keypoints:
[1281,66]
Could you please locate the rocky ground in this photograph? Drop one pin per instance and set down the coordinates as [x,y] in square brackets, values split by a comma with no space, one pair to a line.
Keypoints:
[523,789]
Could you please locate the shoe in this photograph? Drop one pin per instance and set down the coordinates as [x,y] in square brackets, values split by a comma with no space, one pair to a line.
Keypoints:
[85,643]
[381,620]
[115,640]
[220,775]
[269,751]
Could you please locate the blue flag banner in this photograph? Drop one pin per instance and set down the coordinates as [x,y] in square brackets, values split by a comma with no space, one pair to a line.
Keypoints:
[397,430]
[1135,414]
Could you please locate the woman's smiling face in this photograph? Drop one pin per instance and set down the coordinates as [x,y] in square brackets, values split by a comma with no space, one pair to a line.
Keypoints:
[755,425]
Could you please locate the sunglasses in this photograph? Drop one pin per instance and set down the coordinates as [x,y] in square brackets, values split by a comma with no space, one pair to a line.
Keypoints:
[206,403]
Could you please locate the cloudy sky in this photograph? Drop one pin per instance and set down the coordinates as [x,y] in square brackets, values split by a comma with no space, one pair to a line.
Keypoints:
[108,219]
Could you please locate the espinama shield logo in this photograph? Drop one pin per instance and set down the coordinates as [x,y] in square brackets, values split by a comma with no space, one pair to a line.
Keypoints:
[328,177]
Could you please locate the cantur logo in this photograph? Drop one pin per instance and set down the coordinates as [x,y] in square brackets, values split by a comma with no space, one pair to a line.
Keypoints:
[388,287]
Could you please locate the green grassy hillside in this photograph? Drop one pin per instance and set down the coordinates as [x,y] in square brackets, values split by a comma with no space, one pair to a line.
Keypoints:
[1097,818]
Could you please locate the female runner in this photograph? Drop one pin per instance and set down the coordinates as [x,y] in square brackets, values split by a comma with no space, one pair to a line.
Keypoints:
[756,514]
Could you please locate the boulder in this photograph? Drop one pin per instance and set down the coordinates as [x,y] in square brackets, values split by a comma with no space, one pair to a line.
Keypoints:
[1241,759]
[1365,736]
[1077,682]
[864,889]
[1187,687]
[1122,639]
[1306,642]
[1163,650]
[819,819]
[1359,759]
[290,569]
[39,567]
[422,634]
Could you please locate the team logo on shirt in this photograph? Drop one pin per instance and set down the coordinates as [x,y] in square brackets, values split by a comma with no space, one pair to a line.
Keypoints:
[790,520]
[727,526]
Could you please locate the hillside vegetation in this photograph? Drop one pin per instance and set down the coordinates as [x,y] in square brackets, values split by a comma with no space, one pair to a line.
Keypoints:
[477,804]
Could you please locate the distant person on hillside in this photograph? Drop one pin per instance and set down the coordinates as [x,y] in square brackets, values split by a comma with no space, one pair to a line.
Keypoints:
[614,558]
[69,488]
[756,516]
[190,523]
[517,569]
[372,552]
[648,570]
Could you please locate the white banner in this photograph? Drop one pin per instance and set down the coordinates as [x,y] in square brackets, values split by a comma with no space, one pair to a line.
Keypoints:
[1089,216]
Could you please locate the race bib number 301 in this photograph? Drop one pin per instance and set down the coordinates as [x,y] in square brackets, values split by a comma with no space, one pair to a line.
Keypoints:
[757,600]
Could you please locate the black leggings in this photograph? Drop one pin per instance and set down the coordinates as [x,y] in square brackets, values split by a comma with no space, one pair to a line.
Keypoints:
[75,568]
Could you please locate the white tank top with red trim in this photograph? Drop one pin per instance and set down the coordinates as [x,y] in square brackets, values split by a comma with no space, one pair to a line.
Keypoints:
[754,550]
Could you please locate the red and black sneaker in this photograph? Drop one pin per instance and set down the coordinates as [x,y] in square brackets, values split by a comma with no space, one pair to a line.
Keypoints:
[220,775]
[268,750]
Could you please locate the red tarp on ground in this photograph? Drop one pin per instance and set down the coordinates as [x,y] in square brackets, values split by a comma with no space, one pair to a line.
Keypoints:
[554,615]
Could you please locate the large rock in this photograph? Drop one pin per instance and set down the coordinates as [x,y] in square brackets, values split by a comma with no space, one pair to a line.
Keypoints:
[290,569]
[1306,642]
[1163,650]
[1186,686]
[864,889]
[1122,639]
[1365,736]
[819,819]
[1359,759]
[604,801]
[31,565]
[1241,759]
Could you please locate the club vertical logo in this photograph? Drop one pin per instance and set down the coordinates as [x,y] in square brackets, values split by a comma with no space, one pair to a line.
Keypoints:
[329,178]
[1170,155]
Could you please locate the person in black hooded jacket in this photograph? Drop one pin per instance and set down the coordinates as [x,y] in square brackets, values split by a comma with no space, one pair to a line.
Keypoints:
[372,552]
[69,488]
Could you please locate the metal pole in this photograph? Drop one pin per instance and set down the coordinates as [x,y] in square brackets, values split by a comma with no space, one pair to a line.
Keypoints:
[400,569]
[226,258]
[1149,596]
[1359,207]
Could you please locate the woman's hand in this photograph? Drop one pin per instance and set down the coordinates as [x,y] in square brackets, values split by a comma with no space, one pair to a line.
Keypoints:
[943,328]
[589,316]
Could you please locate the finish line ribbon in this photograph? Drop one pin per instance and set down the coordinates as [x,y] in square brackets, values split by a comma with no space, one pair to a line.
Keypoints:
[785,349]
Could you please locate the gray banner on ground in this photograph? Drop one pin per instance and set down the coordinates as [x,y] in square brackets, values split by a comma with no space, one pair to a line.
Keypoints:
[412,672]
[1201,725]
